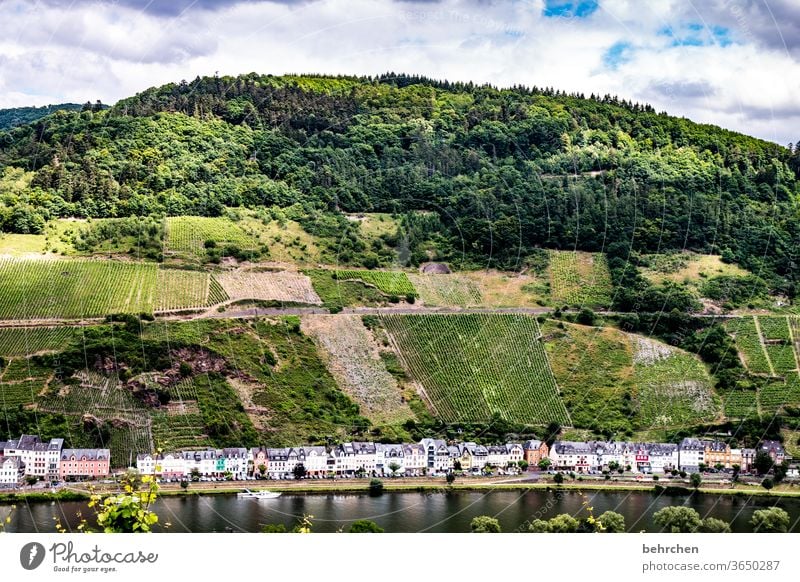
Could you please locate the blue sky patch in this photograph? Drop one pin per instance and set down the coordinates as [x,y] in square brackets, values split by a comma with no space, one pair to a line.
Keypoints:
[696,34]
[618,53]
[569,9]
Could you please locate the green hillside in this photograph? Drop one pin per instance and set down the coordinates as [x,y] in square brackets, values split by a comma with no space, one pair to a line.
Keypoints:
[500,172]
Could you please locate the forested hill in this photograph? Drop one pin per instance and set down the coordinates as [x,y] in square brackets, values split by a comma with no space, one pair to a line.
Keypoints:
[16,116]
[505,171]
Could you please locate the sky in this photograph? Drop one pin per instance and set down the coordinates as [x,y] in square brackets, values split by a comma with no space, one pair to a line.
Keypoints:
[734,63]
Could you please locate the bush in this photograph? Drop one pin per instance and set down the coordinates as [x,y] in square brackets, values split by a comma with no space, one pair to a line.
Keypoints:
[773,519]
[484,524]
[612,522]
[586,316]
[365,526]
[677,519]
[375,487]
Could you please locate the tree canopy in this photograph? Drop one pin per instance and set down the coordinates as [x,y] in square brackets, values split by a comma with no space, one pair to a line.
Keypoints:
[501,172]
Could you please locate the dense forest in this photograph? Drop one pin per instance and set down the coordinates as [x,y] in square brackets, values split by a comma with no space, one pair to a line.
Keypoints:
[505,171]
[16,116]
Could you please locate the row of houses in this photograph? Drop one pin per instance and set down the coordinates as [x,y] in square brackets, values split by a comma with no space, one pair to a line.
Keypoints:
[351,459]
[50,461]
[29,456]
[690,455]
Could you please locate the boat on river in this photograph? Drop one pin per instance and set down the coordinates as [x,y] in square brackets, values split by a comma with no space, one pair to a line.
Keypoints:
[247,494]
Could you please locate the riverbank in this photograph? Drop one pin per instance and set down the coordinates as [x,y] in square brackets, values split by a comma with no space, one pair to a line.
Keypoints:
[80,492]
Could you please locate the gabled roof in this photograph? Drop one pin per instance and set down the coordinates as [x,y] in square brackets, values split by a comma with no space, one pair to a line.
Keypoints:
[88,454]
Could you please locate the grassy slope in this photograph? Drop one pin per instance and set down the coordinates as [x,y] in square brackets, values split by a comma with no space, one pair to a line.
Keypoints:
[607,389]
[593,368]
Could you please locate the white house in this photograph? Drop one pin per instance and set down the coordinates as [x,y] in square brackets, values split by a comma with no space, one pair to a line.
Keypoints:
[277,468]
[691,452]
[390,456]
[235,462]
[365,456]
[497,456]
[314,459]
[663,457]
[40,459]
[574,456]
[11,471]
[515,452]
[437,455]
[414,459]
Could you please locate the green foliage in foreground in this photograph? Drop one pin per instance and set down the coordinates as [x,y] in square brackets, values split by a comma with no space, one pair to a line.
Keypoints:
[365,526]
[770,520]
[484,524]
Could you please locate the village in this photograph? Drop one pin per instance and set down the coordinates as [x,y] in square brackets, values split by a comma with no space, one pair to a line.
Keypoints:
[28,460]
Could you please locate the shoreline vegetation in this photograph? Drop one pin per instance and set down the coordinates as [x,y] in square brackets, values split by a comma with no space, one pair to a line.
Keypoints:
[398,486]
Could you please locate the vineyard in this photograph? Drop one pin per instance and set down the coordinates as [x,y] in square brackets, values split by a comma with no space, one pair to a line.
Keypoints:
[34,289]
[189,233]
[389,282]
[474,366]
[282,286]
[179,289]
[106,399]
[446,290]
[777,393]
[26,341]
[748,342]
[13,394]
[579,278]
[354,360]
[740,404]
[768,346]
[181,431]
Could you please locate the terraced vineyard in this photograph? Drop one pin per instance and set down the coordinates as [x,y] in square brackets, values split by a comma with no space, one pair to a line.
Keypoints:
[473,366]
[22,369]
[282,286]
[13,394]
[579,278]
[769,347]
[782,358]
[189,233]
[103,397]
[46,289]
[26,341]
[389,282]
[179,289]
[748,342]
[740,404]
[180,431]
[446,290]
[774,329]
[778,393]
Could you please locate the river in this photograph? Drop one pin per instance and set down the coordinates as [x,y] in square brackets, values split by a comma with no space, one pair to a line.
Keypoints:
[407,512]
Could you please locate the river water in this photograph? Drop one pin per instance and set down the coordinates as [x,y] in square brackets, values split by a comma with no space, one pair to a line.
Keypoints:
[408,512]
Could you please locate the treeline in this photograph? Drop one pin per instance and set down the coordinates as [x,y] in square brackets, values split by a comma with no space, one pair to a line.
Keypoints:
[16,116]
[505,171]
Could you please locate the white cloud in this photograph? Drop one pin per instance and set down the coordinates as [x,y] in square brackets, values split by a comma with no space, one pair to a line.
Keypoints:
[81,51]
